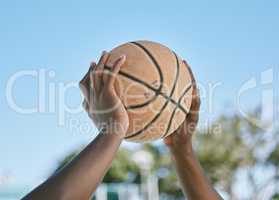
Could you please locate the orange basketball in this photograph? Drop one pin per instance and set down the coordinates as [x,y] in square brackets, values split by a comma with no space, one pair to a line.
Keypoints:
[155,86]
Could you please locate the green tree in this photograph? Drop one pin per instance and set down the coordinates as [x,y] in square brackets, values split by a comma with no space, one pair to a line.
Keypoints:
[230,144]
[123,168]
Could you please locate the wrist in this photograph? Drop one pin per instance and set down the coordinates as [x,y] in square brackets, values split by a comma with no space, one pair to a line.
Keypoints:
[183,150]
[184,159]
[112,132]
[111,137]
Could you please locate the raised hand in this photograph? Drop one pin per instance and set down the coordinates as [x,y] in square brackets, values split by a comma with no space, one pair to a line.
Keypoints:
[181,139]
[101,101]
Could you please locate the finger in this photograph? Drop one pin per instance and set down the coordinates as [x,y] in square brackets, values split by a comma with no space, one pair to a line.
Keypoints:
[85,83]
[193,116]
[194,83]
[93,89]
[91,84]
[98,72]
[195,95]
[111,76]
[85,105]
[192,77]
[195,104]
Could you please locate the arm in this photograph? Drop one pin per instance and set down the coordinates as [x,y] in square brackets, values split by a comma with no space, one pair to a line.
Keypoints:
[194,183]
[80,178]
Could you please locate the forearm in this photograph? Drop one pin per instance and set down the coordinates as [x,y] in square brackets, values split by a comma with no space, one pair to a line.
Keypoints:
[194,183]
[80,178]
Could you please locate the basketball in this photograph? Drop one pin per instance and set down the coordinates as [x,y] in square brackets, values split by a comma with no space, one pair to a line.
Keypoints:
[155,87]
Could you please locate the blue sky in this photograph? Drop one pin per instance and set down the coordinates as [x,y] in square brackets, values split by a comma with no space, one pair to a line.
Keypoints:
[224,41]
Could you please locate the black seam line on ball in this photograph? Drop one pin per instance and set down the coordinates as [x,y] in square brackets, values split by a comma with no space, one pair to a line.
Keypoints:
[128,76]
[157,91]
[165,104]
[173,112]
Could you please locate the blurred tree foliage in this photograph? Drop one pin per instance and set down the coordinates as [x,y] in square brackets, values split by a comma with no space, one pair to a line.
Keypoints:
[123,168]
[231,144]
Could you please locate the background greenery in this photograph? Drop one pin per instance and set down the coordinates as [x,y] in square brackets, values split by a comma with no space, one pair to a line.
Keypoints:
[233,151]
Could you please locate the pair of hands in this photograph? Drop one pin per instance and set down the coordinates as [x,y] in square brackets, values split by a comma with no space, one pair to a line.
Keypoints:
[107,111]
